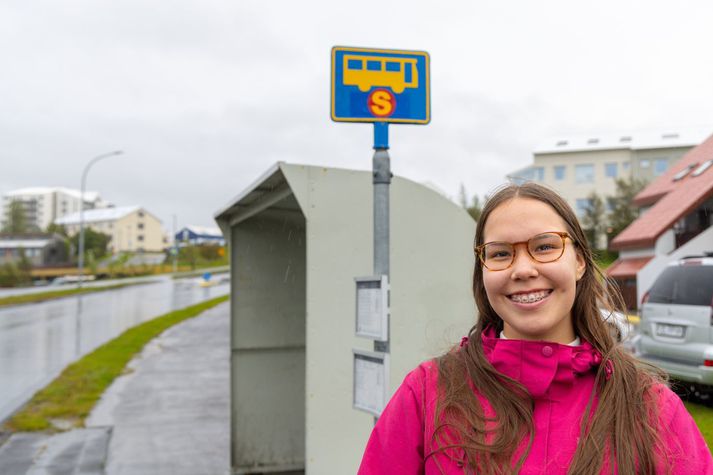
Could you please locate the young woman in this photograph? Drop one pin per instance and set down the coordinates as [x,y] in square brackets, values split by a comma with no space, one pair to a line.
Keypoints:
[541,384]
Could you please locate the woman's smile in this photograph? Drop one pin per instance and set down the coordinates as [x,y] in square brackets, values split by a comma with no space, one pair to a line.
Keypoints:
[530,296]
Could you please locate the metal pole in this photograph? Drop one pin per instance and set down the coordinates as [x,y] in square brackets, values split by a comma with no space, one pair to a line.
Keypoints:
[81,209]
[382,180]
[175,247]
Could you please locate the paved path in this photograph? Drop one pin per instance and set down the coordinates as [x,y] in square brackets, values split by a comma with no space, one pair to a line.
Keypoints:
[169,415]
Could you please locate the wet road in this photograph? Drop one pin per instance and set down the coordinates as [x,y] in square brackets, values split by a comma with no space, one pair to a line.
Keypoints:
[37,341]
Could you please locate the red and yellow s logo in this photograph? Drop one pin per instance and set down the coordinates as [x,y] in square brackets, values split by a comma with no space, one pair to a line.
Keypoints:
[381,103]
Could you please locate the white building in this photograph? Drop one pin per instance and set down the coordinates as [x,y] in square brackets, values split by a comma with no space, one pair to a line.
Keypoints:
[43,205]
[131,228]
[576,167]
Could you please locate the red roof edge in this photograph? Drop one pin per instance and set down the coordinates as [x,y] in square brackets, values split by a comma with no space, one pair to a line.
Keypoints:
[647,199]
[627,267]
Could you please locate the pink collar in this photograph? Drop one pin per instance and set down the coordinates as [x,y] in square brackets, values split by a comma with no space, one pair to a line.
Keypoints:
[544,368]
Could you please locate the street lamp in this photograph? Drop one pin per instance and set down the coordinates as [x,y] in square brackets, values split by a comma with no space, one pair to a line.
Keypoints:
[81,208]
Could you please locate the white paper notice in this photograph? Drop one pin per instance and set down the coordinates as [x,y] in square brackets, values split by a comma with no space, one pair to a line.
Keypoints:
[369,309]
[369,388]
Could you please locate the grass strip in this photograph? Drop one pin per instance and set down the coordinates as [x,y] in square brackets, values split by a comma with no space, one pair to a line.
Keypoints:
[67,401]
[704,420]
[58,294]
[215,270]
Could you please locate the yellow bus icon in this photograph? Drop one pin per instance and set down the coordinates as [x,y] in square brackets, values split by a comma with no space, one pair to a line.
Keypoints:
[366,72]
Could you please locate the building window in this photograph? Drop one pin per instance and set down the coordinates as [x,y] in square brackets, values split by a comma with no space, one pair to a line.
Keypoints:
[581,206]
[660,166]
[705,166]
[610,203]
[684,172]
[140,237]
[140,225]
[645,163]
[528,174]
[584,173]
[611,170]
[559,172]
[141,214]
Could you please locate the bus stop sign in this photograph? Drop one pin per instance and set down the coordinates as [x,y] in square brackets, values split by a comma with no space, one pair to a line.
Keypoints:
[380,85]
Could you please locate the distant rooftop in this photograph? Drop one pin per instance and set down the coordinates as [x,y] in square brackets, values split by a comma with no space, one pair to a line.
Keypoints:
[43,190]
[673,195]
[98,215]
[204,231]
[640,140]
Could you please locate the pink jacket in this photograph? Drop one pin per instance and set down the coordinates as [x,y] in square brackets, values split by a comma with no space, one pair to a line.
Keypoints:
[560,379]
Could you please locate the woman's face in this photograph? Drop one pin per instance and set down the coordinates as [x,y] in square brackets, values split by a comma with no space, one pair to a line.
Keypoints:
[534,299]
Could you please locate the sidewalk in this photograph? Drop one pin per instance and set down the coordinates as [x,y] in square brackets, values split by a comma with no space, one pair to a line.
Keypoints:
[169,415]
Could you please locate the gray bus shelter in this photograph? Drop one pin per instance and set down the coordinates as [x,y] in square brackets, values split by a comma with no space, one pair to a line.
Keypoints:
[298,237]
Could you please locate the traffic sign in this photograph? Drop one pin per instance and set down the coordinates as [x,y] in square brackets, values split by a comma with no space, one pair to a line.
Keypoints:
[380,85]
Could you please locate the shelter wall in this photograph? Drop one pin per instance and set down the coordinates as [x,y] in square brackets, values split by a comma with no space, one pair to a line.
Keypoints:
[268,341]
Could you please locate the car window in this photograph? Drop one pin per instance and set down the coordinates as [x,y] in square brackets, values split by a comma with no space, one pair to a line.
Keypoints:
[684,285]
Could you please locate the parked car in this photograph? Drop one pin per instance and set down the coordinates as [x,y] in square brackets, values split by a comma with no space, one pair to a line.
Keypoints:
[627,331]
[677,322]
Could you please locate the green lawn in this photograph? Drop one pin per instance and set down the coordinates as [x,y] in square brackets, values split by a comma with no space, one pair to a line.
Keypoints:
[69,399]
[704,420]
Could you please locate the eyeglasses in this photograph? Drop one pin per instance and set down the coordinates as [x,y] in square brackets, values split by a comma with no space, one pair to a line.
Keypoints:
[543,248]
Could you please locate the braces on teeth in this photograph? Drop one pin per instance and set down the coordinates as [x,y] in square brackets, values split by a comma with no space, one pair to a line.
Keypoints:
[529,298]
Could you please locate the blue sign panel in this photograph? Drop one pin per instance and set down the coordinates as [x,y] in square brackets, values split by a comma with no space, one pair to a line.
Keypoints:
[379,85]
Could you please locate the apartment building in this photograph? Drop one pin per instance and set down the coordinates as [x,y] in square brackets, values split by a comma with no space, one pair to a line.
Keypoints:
[43,205]
[577,166]
[132,228]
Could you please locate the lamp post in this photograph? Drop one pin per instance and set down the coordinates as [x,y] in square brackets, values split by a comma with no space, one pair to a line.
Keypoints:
[81,209]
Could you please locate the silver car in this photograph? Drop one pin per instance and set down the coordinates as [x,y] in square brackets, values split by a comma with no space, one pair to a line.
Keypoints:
[677,322]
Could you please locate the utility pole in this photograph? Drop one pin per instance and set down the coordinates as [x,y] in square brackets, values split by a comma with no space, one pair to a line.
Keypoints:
[81,209]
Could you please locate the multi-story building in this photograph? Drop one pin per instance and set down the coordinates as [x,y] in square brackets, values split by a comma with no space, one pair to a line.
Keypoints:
[131,228]
[576,167]
[43,205]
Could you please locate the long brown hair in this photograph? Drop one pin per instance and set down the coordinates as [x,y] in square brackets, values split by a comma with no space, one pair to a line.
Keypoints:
[622,427]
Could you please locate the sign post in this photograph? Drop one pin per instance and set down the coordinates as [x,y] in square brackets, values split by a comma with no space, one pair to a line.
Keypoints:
[382,87]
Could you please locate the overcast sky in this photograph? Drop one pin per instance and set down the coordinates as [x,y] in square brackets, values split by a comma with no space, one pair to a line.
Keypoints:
[204,96]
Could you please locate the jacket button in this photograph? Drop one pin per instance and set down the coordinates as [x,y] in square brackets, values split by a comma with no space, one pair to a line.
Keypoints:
[547,351]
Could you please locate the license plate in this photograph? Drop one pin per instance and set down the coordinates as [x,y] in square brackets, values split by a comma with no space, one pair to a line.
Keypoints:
[675,331]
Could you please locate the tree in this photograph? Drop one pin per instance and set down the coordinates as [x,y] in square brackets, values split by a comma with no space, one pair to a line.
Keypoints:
[475,208]
[623,209]
[56,229]
[462,196]
[16,222]
[95,243]
[594,219]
